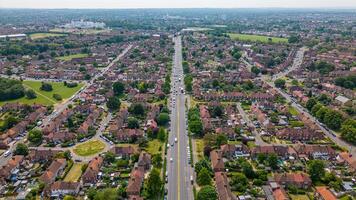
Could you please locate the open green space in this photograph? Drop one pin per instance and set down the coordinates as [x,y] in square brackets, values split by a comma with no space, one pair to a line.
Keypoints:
[35,36]
[199,151]
[293,111]
[154,147]
[299,197]
[89,148]
[74,173]
[257,38]
[70,57]
[45,97]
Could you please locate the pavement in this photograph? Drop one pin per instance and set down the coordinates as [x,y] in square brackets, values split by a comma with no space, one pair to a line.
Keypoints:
[178,168]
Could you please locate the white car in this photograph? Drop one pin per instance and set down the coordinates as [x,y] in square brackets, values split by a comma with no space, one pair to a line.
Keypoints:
[171,159]
[175,140]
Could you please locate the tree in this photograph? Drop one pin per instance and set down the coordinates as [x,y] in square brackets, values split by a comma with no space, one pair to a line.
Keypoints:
[247,169]
[316,170]
[196,127]
[161,135]
[157,160]
[255,70]
[348,130]
[57,97]
[207,193]
[133,123]
[113,103]
[46,87]
[154,184]
[203,163]
[316,108]
[91,193]
[163,119]
[293,39]
[137,109]
[217,111]
[239,182]
[30,94]
[321,113]
[272,161]
[109,157]
[118,88]
[333,119]
[280,83]
[203,177]
[35,136]
[310,103]
[221,139]
[21,149]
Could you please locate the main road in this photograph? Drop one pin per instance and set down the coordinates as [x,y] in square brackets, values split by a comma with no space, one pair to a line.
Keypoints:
[179,170]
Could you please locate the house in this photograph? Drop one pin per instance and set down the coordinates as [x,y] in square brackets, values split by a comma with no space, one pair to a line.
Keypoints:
[323,193]
[233,151]
[324,152]
[56,167]
[128,134]
[347,158]
[135,181]
[284,152]
[144,160]
[123,152]
[90,175]
[300,134]
[61,188]
[222,187]
[42,155]
[10,170]
[344,101]
[300,180]
[217,163]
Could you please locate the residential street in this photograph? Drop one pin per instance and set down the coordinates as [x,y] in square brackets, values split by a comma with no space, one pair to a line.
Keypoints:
[178,168]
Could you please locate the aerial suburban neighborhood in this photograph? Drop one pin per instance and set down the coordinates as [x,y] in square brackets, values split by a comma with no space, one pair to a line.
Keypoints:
[191,104]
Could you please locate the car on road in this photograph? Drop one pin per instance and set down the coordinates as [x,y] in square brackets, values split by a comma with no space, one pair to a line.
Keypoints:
[171,159]
[7,153]
[175,140]
[191,180]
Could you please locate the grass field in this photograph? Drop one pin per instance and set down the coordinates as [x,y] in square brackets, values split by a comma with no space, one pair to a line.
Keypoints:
[293,111]
[35,36]
[154,146]
[257,38]
[70,57]
[199,144]
[44,97]
[89,148]
[299,197]
[74,173]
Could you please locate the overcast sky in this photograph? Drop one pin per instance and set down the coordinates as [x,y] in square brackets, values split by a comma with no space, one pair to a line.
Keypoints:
[177,3]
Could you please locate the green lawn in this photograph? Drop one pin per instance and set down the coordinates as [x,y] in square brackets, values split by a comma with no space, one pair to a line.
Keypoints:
[199,144]
[153,147]
[44,97]
[256,38]
[35,36]
[74,173]
[299,197]
[70,57]
[89,148]
[293,111]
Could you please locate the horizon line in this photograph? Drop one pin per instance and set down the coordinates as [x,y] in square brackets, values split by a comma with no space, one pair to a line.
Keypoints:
[132,8]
